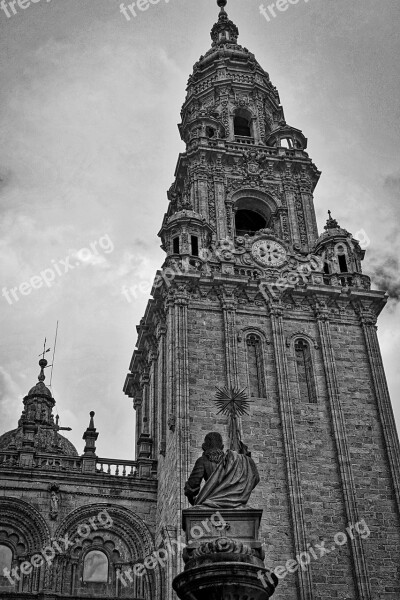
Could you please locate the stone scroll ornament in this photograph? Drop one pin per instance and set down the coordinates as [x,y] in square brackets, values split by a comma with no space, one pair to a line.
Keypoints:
[231,476]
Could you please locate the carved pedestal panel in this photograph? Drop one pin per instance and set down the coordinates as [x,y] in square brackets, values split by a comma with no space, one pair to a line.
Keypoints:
[223,558]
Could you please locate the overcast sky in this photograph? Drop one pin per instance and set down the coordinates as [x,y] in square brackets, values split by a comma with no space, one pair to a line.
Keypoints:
[89,107]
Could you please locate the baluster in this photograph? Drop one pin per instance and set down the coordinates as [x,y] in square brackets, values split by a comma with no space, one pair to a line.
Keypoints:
[109,469]
[117,469]
[131,473]
[124,471]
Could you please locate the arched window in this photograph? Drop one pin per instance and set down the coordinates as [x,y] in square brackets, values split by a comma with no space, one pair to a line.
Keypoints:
[248,222]
[242,123]
[255,366]
[176,245]
[286,143]
[95,568]
[6,557]
[194,242]
[341,254]
[305,371]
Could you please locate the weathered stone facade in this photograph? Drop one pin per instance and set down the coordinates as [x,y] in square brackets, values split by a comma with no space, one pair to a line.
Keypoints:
[61,512]
[250,295]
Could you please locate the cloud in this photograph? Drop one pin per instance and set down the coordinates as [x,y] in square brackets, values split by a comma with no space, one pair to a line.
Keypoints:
[9,390]
[384,262]
[385,274]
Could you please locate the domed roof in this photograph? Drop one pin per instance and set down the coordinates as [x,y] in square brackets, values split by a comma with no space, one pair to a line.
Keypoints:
[40,390]
[46,439]
[38,411]
[332,229]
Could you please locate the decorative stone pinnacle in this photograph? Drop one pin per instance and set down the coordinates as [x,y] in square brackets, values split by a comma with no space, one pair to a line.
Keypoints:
[91,423]
[90,436]
[225,31]
[331,223]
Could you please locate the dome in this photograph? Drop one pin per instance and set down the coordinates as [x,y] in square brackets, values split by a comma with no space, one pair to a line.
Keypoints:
[46,439]
[40,390]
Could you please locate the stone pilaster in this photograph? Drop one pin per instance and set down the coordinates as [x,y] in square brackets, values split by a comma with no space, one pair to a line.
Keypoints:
[162,414]
[181,384]
[295,494]
[361,578]
[368,323]
[228,303]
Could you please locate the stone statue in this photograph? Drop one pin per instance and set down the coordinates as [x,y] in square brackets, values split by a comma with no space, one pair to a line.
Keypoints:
[231,476]
[54,501]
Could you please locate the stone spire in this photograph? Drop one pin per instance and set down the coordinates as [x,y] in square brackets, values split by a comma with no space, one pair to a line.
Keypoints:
[90,436]
[225,31]
[331,223]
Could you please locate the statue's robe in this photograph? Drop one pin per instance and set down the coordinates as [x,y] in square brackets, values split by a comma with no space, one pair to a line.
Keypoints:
[230,483]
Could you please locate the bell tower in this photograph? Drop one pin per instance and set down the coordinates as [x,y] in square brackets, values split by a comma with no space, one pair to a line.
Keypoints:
[251,296]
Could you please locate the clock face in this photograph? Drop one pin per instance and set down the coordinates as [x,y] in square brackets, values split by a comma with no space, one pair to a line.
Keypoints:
[269,253]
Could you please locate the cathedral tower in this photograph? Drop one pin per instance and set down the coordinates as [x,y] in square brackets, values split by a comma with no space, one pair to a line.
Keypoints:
[251,295]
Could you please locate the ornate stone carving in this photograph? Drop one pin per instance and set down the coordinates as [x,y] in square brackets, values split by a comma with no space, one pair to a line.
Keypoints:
[225,545]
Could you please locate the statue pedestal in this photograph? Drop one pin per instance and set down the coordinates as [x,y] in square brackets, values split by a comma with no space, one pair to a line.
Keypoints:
[224,559]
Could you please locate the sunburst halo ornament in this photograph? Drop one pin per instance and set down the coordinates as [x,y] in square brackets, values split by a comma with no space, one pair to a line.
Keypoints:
[232,401]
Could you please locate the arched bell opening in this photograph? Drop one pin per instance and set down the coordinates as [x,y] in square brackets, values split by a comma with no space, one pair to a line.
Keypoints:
[249,222]
[251,215]
[242,123]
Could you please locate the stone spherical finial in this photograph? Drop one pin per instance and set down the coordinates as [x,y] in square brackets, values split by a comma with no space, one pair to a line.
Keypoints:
[92,413]
[222,3]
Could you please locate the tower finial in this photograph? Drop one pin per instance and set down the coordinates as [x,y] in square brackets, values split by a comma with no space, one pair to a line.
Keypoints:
[331,223]
[43,362]
[224,32]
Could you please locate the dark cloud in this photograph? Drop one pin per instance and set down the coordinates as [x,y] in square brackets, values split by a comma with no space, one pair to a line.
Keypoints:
[392,182]
[385,274]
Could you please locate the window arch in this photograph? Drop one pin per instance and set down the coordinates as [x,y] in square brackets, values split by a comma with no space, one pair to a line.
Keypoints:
[176,245]
[286,142]
[342,259]
[6,558]
[305,371]
[255,366]
[95,567]
[242,123]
